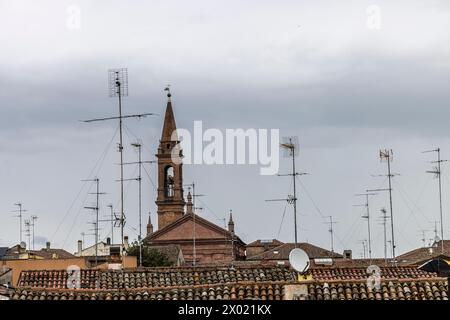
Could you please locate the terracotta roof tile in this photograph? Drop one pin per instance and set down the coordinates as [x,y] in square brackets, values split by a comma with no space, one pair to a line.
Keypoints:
[154,278]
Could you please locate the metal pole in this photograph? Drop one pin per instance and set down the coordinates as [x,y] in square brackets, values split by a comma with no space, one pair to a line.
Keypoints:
[364,249]
[331,231]
[112,223]
[368,226]
[32,230]
[121,167]
[295,192]
[390,205]
[440,199]
[385,235]
[20,215]
[140,206]
[193,228]
[97,180]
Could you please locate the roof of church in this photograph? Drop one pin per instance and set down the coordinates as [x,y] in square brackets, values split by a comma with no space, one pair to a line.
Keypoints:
[198,220]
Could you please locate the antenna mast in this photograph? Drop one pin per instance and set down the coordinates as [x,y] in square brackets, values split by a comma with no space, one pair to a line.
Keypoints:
[437,172]
[330,223]
[367,216]
[28,232]
[96,209]
[384,217]
[118,87]
[138,146]
[364,248]
[386,155]
[20,211]
[33,223]
[110,206]
[291,145]
[194,196]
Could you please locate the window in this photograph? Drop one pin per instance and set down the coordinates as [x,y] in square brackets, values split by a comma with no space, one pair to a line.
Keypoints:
[169,181]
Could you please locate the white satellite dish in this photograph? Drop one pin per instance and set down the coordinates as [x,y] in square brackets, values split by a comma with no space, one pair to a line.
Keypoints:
[23,245]
[299,260]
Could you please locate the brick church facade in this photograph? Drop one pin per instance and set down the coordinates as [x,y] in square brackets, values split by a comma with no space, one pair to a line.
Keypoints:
[201,241]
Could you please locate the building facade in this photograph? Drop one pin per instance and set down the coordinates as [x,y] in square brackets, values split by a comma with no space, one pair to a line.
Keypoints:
[201,241]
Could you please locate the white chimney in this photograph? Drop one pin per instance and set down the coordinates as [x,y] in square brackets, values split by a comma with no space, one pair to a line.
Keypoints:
[80,247]
[125,242]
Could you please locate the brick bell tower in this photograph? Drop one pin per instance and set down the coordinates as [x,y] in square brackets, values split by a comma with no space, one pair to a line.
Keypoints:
[170,200]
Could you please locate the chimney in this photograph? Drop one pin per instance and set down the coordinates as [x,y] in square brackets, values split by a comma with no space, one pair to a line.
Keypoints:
[348,254]
[108,241]
[47,245]
[80,247]
[125,242]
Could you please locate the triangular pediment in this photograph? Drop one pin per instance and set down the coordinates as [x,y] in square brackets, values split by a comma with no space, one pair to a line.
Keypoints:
[184,227]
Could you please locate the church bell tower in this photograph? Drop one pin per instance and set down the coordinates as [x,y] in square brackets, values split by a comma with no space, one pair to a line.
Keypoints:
[170,200]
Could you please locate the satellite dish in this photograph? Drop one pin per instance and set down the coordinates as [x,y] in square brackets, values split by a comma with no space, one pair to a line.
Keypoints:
[23,245]
[299,260]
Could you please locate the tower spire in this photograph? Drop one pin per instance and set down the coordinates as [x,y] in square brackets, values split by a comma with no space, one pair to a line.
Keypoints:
[170,200]
[189,205]
[149,225]
[231,222]
[169,126]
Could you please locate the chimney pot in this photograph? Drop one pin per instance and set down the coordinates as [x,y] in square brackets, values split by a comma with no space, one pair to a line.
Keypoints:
[47,245]
[108,241]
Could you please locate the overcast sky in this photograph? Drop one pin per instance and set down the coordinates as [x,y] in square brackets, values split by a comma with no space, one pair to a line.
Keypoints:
[313,69]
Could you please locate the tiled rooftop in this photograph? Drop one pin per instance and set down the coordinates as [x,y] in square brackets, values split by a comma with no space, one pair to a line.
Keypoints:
[155,278]
[389,290]
[327,274]
[229,283]
[267,291]
[432,289]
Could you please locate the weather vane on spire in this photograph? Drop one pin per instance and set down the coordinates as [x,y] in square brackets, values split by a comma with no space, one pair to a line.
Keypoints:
[168,91]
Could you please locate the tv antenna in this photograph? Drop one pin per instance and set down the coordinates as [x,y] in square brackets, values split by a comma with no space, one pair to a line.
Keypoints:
[291,147]
[110,220]
[118,87]
[138,146]
[384,217]
[423,232]
[96,209]
[95,234]
[330,230]
[437,172]
[20,212]
[33,223]
[367,216]
[435,230]
[28,232]
[194,196]
[387,156]
[364,244]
